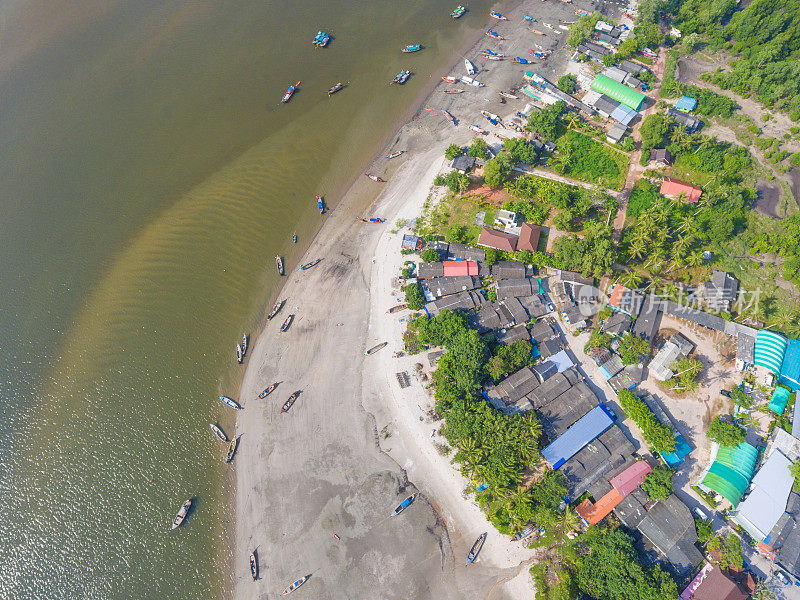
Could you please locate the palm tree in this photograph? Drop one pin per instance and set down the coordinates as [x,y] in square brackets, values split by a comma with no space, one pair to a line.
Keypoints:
[695,259]
[784,318]
[794,326]
[568,520]
[633,280]
[638,249]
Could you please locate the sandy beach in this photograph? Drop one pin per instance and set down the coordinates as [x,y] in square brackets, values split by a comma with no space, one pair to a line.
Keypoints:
[325,467]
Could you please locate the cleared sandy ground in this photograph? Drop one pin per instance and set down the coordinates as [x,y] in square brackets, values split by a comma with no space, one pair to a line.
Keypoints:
[320,470]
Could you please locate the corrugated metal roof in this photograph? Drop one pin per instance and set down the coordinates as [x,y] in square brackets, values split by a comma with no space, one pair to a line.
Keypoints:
[767,499]
[730,473]
[588,427]
[624,114]
[632,477]
[769,350]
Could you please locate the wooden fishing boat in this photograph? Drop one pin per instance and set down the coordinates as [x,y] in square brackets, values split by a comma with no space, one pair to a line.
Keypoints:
[289,91]
[477,129]
[254,565]
[230,402]
[276,308]
[269,390]
[460,10]
[509,95]
[494,35]
[290,401]
[471,81]
[476,548]
[245,344]
[279,264]
[374,177]
[295,585]
[450,79]
[239,354]
[287,323]
[374,349]
[394,154]
[453,91]
[401,77]
[493,56]
[449,117]
[310,264]
[294,238]
[471,70]
[320,204]
[536,31]
[232,448]
[181,516]
[496,15]
[520,60]
[219,433]
[403,505]
[529,18]
[321,39]
[412,48]
[335,88]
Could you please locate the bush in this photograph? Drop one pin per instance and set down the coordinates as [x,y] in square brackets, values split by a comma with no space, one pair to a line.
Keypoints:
[479,149]
[705,530]
[657,435]
[795,160]
[414,296]
[724,433]
[567,83]
[430,255]
[658,483]
[453,151]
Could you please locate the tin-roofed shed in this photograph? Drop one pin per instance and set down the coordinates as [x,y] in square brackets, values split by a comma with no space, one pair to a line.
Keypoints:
[574,439]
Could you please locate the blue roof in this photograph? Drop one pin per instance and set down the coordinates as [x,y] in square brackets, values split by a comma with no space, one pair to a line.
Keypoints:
[623,114]
[686,103]
[790,368]
[682,450]
[580,433]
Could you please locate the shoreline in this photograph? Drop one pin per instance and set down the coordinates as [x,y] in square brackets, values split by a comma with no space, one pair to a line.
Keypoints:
[258,453]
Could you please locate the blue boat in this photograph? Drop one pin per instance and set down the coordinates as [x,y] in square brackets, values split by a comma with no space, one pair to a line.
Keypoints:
[320,204]
[520,60]
[413,48]
[494,35]
[529,18]
[487,51]
[230,402]
[401,77]
[403,505]
[321,39]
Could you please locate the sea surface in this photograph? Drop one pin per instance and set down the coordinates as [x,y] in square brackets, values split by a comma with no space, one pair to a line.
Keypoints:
[148,177]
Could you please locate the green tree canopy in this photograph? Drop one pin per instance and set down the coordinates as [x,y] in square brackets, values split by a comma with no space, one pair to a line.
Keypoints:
[414,296]
[658,435]
[452,151]
[545,122]
[479,149]
[497,170]
[724,433]
[658,484]
[430,255]
[567,83]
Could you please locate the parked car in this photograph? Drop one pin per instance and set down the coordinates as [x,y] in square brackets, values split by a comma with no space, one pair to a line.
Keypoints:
[782,577]
[699,513]
[551,307]
[725,393]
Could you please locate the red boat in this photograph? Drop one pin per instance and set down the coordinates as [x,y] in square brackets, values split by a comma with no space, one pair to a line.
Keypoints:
[374,177]
[493,56]
[289,91]
[449,117]
[450,78]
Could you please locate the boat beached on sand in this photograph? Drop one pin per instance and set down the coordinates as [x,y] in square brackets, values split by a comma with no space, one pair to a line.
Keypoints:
[289,91]
[310,264]
[276,308]
[496,15]
[290,401]
[295,585]
[453,91]
[449,117]
[254,565]
[374,177]
[471,70]
[181,516]
[219,433]
[232,448]
[374,349]
[494,35]
[476,548]
[230,402]
[394,154]
[403,505]
[268,391]
[471,81]
[287,323]
[477,129]
[450,78]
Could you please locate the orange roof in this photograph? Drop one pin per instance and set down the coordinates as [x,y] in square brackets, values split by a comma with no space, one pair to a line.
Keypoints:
[594,513]
[616,294]
[529,237]
[500,240]
[672,188]
[453,268]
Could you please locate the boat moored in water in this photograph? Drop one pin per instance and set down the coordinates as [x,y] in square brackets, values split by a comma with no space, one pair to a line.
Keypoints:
[254,565]
[460,10]
[269,390]
[374,177]
[476,548]
[412,48]
[294,238]
[219,433]
[181,516]
[471,70]
[230,402]
[287,323]
[335,88]
[239,354]
[320,204]
[394,154]
[321,39]
[401,77]
[232,448]
[403,505]
[310,264]
[290,401]
[279,264]
[295,585]
[496,15]
[289,91]
[245,344]
[276,308]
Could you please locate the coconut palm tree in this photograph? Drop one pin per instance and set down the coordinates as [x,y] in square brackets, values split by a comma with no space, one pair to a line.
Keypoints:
[695,259]
[633,280]
[568,520]
[638,249]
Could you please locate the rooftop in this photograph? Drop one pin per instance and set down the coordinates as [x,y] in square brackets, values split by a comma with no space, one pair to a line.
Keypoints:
[574,439]
[529,237]
[500,240]
[672,188]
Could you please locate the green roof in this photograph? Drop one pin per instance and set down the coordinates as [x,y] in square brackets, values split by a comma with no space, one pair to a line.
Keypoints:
[731,472]
[769,350]
[617,91]
[779,400]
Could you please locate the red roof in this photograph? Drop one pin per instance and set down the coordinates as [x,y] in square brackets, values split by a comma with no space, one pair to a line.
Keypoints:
[672,188]
[616,294]
[631,478]
[500,240]
[529,237]
[454,268]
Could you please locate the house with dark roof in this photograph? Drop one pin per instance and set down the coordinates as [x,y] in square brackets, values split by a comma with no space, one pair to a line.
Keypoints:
[711,583]
[440,246]
[617,324]
[542,330]
[499,240]
[507,288]
[514,388]
[616,132]
[508,269]
[460,301]
[632,67]
[649,319]
[464,163]
[660,158]
[509,335]
[674,188]
[427,270]
[627,379]
[721,292]
[560,414]
[545,370]
[464,252]
[548,348]
[551,389]
[578,436]
[444,286]
[486,318]
[529,237]
[689,123]
[515,309]
[607,453]
[534,304]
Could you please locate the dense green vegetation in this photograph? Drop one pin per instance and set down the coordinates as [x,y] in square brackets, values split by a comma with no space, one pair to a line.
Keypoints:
[508,359]
[414,296]
[586,159]
[453,151]
[632,349]
[430,255]
[546,122]
[594,254]
[582,29]
[657,435]
[730,548]
[785,243]
[705,530]
[725,433]
[686,371]
[479,149]
[521,150]
[567,83]
[457,182]
[497,170]
[658,484]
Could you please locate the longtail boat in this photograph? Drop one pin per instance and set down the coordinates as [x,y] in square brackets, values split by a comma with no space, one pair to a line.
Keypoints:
[453,91]
[287,323]
[279,264]
[320,203]
[450,79]
[412,48]
[460,10]
[268,391]
[239,354]
[520,60]
[494,35]
[476,548]
[276,308]
[254,565]
[449,117]
[529,18]
[335,88]
[245,344]
[232,448]
[289,91]
[394,154]
[374,349]
[508,95]
[477,129]
[295,585]
[321,39]
[493,56]
[230,402]
[374,177]
[310,264]
[403,505]
[496,15]
[219,433]
[290,401]
[401,77]
[536,31]
[181,516]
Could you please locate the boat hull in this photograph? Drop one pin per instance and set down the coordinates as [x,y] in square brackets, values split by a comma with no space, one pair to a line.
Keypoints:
[268,391]
[476,548]
[219,433]
[182,513]
[230,402]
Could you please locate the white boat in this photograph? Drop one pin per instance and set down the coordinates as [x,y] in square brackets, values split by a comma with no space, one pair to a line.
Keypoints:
[181,516]
[471,81]
[471,70]
[230,402]
[477,129]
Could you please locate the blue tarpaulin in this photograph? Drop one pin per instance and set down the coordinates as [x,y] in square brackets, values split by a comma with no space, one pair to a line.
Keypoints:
[686,104]
[682,450]
[573,440]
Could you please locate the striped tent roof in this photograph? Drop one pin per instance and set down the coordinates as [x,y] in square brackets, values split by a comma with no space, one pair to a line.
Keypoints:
[769,350]
[731,472]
